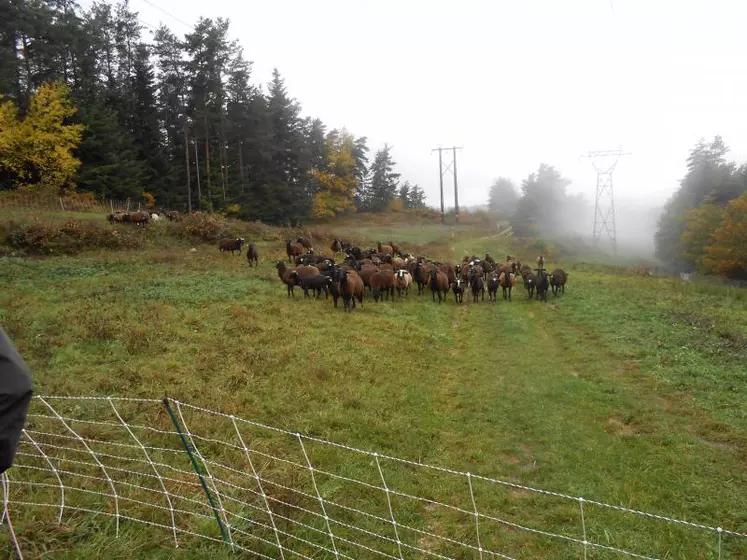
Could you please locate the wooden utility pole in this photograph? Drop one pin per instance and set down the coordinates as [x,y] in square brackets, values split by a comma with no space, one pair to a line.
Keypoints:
[197,171]
[207,161]
[456,190]
[186,165]
[241,164]
[441,172]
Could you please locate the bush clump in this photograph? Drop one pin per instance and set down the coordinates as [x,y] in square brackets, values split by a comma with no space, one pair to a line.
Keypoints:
[73,236]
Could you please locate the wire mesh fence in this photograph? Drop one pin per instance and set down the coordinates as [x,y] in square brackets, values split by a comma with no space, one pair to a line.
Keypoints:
[31,201]
[196,474]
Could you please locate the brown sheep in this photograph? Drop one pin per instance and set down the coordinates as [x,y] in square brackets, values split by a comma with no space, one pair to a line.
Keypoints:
[507,280]
[350,287]
[231,245]
[558,278]
[439,284]
[139,218]
[284,272]
[366,272]
[336,246]
[305,243]
[398,263]
[448,269]
[293,250]
[385,248]
[252,255]
[173,216]
[382,284]
[394,246]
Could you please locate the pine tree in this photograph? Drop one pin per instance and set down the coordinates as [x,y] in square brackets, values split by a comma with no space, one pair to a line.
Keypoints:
[383,181]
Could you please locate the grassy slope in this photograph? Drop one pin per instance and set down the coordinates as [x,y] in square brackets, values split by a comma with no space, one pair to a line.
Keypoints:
[628,390]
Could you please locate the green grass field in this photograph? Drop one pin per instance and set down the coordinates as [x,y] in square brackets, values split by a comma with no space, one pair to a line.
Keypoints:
[628,390]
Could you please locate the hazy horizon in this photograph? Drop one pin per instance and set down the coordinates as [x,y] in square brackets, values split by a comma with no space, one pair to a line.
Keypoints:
[516,84]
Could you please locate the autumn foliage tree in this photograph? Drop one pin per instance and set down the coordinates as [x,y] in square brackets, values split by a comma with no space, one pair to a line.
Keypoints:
[37,150]
[699,226]
[727,253]
[336,182]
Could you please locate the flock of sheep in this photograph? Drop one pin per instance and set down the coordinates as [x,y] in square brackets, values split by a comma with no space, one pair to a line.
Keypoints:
[141,218]
[386,270]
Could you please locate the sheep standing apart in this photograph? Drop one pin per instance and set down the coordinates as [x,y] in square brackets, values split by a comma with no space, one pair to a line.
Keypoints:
[252,255]
[155,217]
[173,216]
[231,245]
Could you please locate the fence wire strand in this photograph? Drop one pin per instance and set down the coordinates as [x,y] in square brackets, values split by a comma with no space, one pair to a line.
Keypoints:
[81,455]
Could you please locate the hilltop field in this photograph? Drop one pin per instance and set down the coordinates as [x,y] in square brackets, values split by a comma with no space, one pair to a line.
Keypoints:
[628,389]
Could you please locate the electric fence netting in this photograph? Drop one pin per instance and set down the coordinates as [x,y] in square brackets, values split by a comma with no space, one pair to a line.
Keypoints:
[194,474]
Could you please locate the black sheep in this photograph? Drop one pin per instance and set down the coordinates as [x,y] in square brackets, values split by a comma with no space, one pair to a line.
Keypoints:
[543,284]
[316,283]
[493,285]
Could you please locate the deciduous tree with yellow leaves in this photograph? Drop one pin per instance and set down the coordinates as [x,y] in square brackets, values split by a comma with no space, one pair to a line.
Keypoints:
[337,183]
[36,151]
[727,253]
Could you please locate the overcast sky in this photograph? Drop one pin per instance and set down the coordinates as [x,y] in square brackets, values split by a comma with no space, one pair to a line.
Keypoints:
[516,83]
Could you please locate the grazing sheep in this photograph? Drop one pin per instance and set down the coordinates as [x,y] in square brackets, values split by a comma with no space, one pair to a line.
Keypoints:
[252,255]
[305,243]
[493,284]
[318,283]
[543,283]
[439,284]
[382,285]
[403,281]
[336,246]
[139,218]
[507,280]
[350,288]
[458,288]
[173,216]
[231,245]
[558,278]
[478,286]
[293,250]
[155,217]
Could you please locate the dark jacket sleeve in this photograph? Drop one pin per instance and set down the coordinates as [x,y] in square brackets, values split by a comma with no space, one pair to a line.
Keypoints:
[15,395]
